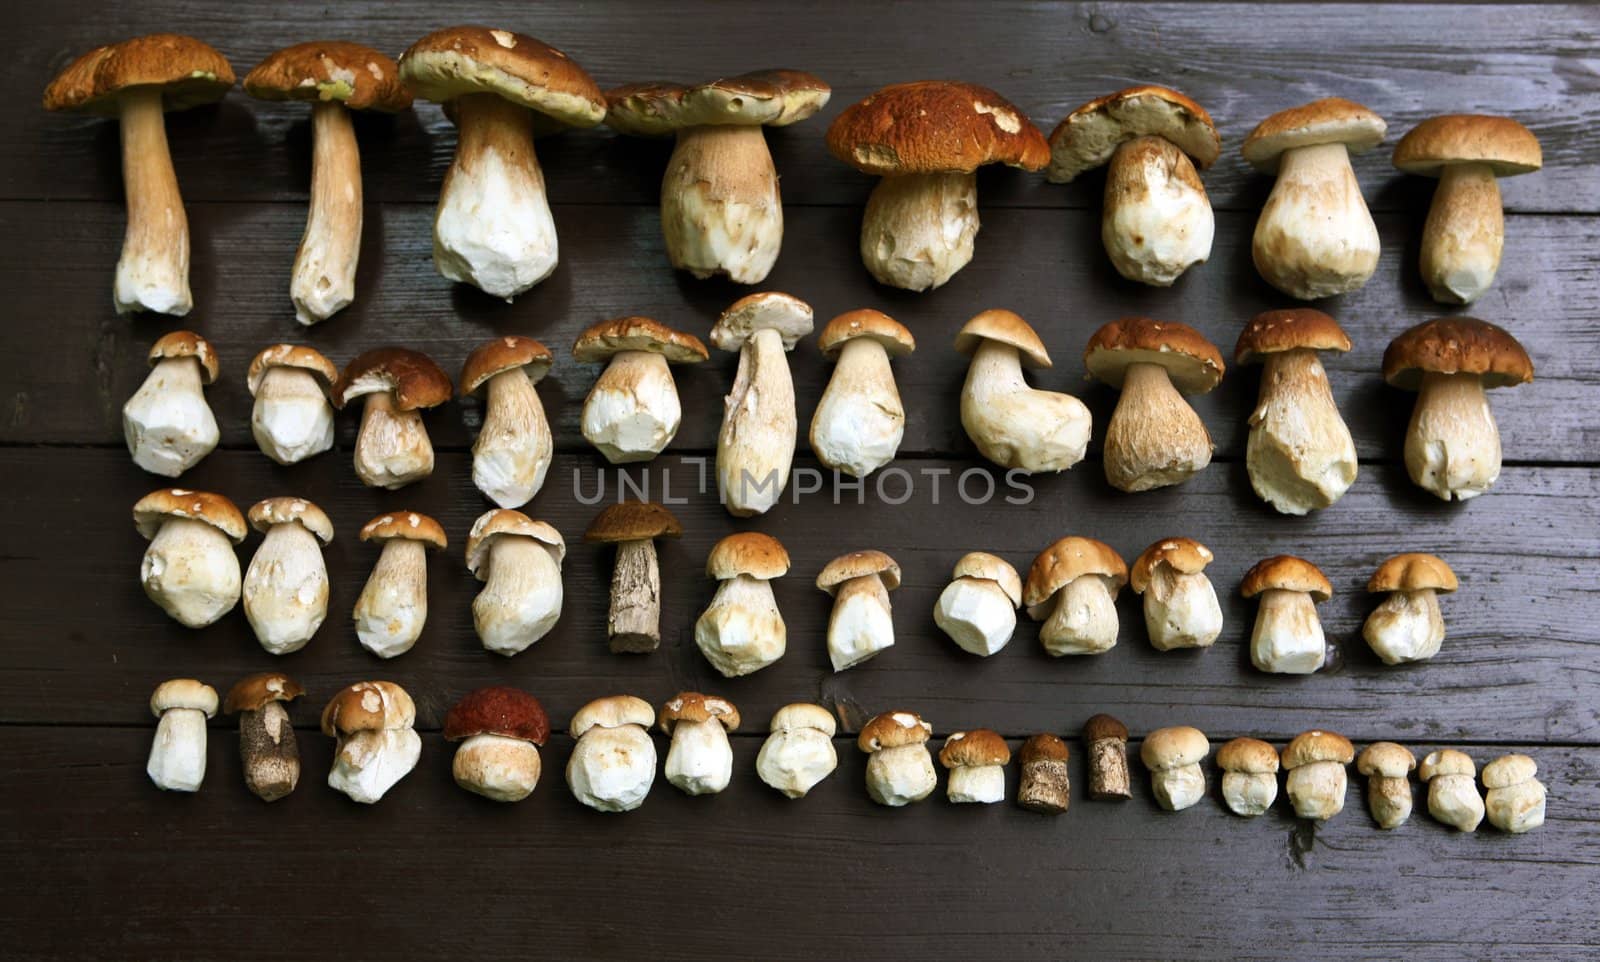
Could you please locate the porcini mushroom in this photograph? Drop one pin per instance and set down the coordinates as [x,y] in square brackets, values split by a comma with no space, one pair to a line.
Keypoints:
[267,746]
[336,77]
[519,562]
[190,570]
[861,623]
[1014,425]
[1287,638]
[512,453]
[1466,227]
[1157,220]
[1072,587]
[742,631]
[1154,438]
[1173,756]
[926,140]
[1452,444]
[1317,779]
[1387,766]
[799,751]
[1107,741]
[613,764]
[178,753]
[899,768]
[1452,789]
[1515,800]
[1249,775]
[977,761]
[633,621]
[1315,237]
[292,418]
[167,423]
[1408,625]
[859,421]
[1046,785]
[500,730]
[632,413]
[700,760]
[1181,609]
[375,745]
[393,605]
[720,208]
[978,608]
[286,585]
[392,448]
[493,229]
[756,444]
[137,81]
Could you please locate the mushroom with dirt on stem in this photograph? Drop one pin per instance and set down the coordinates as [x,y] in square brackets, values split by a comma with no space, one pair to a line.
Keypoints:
[1107,741]
[1387,767]
[1287,637]
[268,749]
[632,413]
[1408,625]
[512,453]
[167,423]
[393,605]
[177,760]
[700,760]
[755,446]
[633,620]
[375,743]
[1046,785]
[978,608]
[859,422]
[1012,424]
[292,418]
[1315,761]
[1181,609]
[1173,756]
[977,762]
[286,585]
[190,570]
[799,751]
[1515,800]
[741,630]
[899,768]
[1072,587]
[392,448]
[1452,783]
[500,730]
[861,623]
[613,764]
[1249,775]
[519,562]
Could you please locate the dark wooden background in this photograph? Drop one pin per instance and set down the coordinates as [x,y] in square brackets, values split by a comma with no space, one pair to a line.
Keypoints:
[100,864]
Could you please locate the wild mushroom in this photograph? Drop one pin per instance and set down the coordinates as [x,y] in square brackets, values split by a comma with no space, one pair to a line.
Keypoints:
[268,749]
[700,760]
[1452,444]
[190,570]
[1046,785]
[926,140]
[742,631]
[392,448]
[167,423]
[799,751]
[393,605]
[977,761]
[978,608]
[1452,789]
[899,768]
[1317,779]
[1515,800]
[859,422]
[1287,638]
[633,621]
[1107,741]
[756,444]
[1408,625]
[512,453]
[286,585]
[1072,587]
[1154,438]
[1249,775]
[1315,237]
[861,623]
[613,764]
[632,412]
[1157,220]
[1014,425]
[519,562]
[336,77]
[178,753]
[1466,227]
[1173,756]
[720,209]
[137,81]
[375,744]
[493,229]
[1181,609]
[1387,766]
[500,730]
[292,418]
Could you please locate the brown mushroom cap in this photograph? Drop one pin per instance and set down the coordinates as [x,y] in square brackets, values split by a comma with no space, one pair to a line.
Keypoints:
[501,355]
[1446,761]
[497,710]
[1318,746]
[802,715]
[1168,748]
[1413,571]
[859,564]
[353,74]
[1101,727]
[189,72]
[407,526]
[1456,345]
[747,553]
[1386,759]
[880,327]
[1509,770]
[1249,755]
[893,729]
[1332,120]
[506,523]
[609,338]
[935,127]
[1193,363]
[186,693]
[1067,560]
[264,514]
[1089,135]
[613,711]
[1006,327]
[1271,332]
[977,748]
[290,355]
[157,507]
[186,344]
[1043,747]
[255,692]
[774,98]
[791,317]
[410,376]
[632,521]
[691,706]
[1287,573]
[1502,144]
[455,61]
[988,567]
[368,706]
[1184,555]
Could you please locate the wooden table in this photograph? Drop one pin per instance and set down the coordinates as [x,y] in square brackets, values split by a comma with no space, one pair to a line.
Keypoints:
[99,864]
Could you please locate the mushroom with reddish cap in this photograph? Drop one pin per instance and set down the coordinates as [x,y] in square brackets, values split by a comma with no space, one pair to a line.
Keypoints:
[799,751]
[633,622]
[1157,221]
[1453,796]
[1107,740]
[742,631]
[512,453]
[978,608]
[1181,609]
[613,764]
[375,743]
[178,754]
[392,448]
[1453,444]
[1317,779]
[267,745]
[393,605]
[500,730]
[977,761]
[1387,766]
[926,141]
[137,81]
[1516,799]
[632,413]
[286,585]
[1408,625]
[1466,227]
[1046,785]
[335,77]
[1072,587]
[859,421]
[1315,237]
[756,444]
[720,208]
[899,768]
[700,760]
[1250,775]
[292,418]
[167,423]
[519,561]
[190,569]
[1287,638]
[1014,425]
[861,623]
[1173,756]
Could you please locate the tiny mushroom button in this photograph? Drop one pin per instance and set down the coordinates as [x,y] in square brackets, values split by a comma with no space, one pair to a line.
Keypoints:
[267,744]
[1072,587]
[1452,788]
[742,631]
[393,605]
[1012,424]
[978,608]
[861,624]
[633,621]
[1387,767]
[513,449]
[167,423]
[755,446]
[500,730]
[1317,779]
[860,421]
[375,744]
[178,753]
[613,764]
[899,768]
[632,413]
[1408,625]
[190,569]
[799,752]
[1107,741]
[1173,756]
[286,585]
[1249,775]
[700,760]
[1046,785]
[392,448]
[977,761]
[519,561]
[1515,800]
[292,418]
[1181,609]
[1287,637]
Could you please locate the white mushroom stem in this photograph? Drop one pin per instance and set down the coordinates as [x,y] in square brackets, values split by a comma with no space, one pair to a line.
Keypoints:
[1181,610]
[700,761]
[178,753]
[324,278]
[286,589]
[633,622]
[860,421]
[1083,618]
[756,445]
[513,450]
[720,209]
[1317,790]
[976,783]
[918,229]
[167,423]
[497,767]
[1454,800]
[899,776]
[190,570]
[1249,793]
[1178,788]
[1315,237]
[521,601]
[291,419]
[612,769]
[742,631]
[392,447]
[976,614]
[369,763]
[1389,799]
[795,760]
[1157,221]
[1014,425]
[1287,638]
[1464,234]
[1154,439]
[1453,444]
[493,229]
[632,413]
[1406,626]
[393,605]
[861,623]
[1516,808]
[153,271]
[1300,454]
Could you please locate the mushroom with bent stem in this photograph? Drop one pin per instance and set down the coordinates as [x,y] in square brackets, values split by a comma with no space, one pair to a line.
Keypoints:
[1249,776]
[1408,625]
[1387,766]
[978,608]
[613,764]
[500,730]
[1287,638]
[1453,798]
[1012,424]
[167,423]
[700,760]
[512,452]
[393,605]
[519,561]
[286,585]
[633,621]
[861,624]
[177,760]
[375,744]
[799,751]
[1181,609]
[392,447]
[742,631]
[632,412]
[190,569]
[1317,778]
[756,444]
[1173,756]
[859,422]
[292,418]
[267,745]
[899,768]
[1072,587]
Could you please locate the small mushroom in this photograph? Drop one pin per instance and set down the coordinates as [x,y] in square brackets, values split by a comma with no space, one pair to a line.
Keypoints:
[190,569]
[1012,424]
[1181,609]
[375,744]
[1157,220]
[899,768]
[632,413]
[742,631]
[1466,227]
[267,744]
[613,763]
[1315,237]
[1515,800]
[178,754]
[977,761]
[978,608]
[519,561]
[512,453]
[1072,587]
[1317,779]
[700,760]
[926,140]
[799,751]
[1107,740]
[286,585]
[1452,444]
[167,423]
[1387,766]
[500,730]
[860,421]
[1249,776]
[292,419]
[1173,756]
[1287,638]
[335,77]
[1408,625]
[1046,785]
[633,622]
[861,623]
[393,605]
[392,448]
[1452,789]
[756,444]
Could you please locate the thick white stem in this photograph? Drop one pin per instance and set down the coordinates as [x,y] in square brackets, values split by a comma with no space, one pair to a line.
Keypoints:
[1181,610]
[1014,425]
[700,761]
[369,763]
[521,601]
[1407,626]
[393,606]
[632,413]
[292,419]
[167,423]
[742,631]
[861,623]
[720,209]
[1287,638]
[612,769]
[1317,790]
[512,453]
[1300,455]
[191,572]
[286,589]
[178,753]
[392,448]
[1154,439]
[324,279]
[900,776]
[983,784]
[918,229]
[1315,237]
[1178,788]
[976,614]
[153,271]
[756,445]
[1083,619]
[1453,444]
[860,421]
[1157,221]
[1464,235]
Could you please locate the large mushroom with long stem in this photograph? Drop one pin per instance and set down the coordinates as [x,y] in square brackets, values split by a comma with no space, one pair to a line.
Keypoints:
[1072,587]
[167,423]
[335,77]
[190,569]
[493,229]
[292,418]
[393,605]
[286,585]
[138,81]
[1014,425]
[633,623]
[513,449]
[632,413]
[860,421]
[755,447]
[519,561]
[392,448]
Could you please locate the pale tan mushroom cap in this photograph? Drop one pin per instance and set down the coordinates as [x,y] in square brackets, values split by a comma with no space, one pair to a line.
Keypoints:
[1386,759]
[1413,571]
[1007,328]
[893,729]
[747,553]
[613,711]
[773,98]
[1175,747]
[1502,144]
[353,74]
[505,523]
[1183,555]
[804,715]
[455,61]
[1447,761]
[1286,573]
[1332,120]
[1456,345]
[691,706]
[770,310]
[369,706]
[981,564]
[155,508]
[876,325]
[189,72]
[933,127]
[186,344]
[1318,746]
[1089,135]
[274,511]
[1192,362]
[186,693]
[1067,560]
[406,526]
[977,748]
[1249,755]
[859,564]
[290,355]
[1509,770]
[609,338]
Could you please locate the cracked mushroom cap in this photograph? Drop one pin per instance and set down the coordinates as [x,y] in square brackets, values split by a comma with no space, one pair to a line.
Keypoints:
[1332,120]
[613,711]
[1175,747]
[935,127]
[1184,555]
[1088,137]
[505,523]
[977,748]
[608,338]
[1446,762]
[1006,327]
[803,715]
[773,98]
[1456,345]
[691,706]
[157,507]
[368,706]
[632,521]
[893,729]
[501,355]
[1251,756]
[255,692]
[410,376]
[1271,332]
[1509,770]
[184,693]
[497,710]
[1413,571]
[859,564]
[880,327]
[747,553]
[1500,143]
[1286,573]
[1043,747]
[1193,363]
[189,72]
[353,74]
[985,566]
[1318,746]
[788,315]
[1066,561]
[1101,727]
[264,514]
[406,526]
[455,61]
[186,344]
[1386,759]
[292,356]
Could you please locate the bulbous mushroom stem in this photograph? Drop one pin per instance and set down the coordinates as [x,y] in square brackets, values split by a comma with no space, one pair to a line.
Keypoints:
[756,445]
[498,767]
[1315,237]
[324,278]
[1249,793]
[976,614]
[633,623]
[1453,444]
[191,572]
[795,760]
[1181,610]
[720,209]
[369,763]
[167,423]
[632,413]
[1154,439]
[291,419]
[859,423]
[269,751]
[1317,790]
[1454,800]
[1178,788]
[700,760]
[177,760]
[612,769]
[742,631]
[1014,425]
[153,271]
[918,229]
[1083,618]
[521,601]
[286,589]
[392,447]
[1300,455]
[1157,220]
[900,775]
[393,605]
[1389,800]
[1407,626]
[861,623]
[1287,638]
[513,450]
[1464,235]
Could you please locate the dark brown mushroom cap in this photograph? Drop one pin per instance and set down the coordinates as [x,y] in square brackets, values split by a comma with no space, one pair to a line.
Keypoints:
[405,526]
[1101,727]
[1192,362]
[1456,345]
[290,355]
[157,507]
[353,74]
[501,355]
[497,710]
[368,706]
[774,98]
[189,72]
[691,706]
[893,729]
[1271,332]
[1006,327]
[1088,136]
[1067,560]
[1286,573]
[1043,747]
[935,127]
[455,61]
[186,344]
[978,748]
[632,521]
[609,338]
[1500,143]
[409,376]
[255,692]
[876,325]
